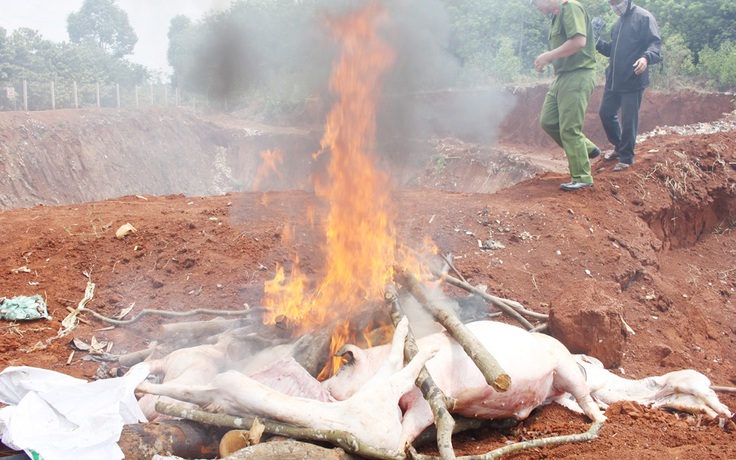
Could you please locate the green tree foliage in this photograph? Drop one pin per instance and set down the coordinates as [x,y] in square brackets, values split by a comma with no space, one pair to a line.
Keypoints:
[719,65]
[485,32]
[677,64]
[105,24]
[26,55]
[701,23]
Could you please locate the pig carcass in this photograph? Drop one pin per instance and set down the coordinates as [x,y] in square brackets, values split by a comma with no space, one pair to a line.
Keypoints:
[186,366]
[542,370]
[371,414]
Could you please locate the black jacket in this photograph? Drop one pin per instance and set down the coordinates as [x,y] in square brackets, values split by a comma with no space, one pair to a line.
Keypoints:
[634,34]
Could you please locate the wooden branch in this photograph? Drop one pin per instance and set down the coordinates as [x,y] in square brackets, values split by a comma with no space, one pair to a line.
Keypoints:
[432,393]
[539,328]
[191,329]
[489,367]
[723,389]
[511,308]
[133,358]
[179,314]
[464,424]
[591,434]
[339,438]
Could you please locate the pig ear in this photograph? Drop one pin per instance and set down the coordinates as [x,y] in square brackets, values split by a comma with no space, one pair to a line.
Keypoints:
[350,353]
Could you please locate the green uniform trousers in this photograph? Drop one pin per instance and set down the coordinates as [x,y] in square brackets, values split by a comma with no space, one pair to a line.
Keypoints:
[563,117]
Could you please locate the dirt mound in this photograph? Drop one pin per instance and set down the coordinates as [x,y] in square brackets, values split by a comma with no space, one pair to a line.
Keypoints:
[75,156]
[656,242]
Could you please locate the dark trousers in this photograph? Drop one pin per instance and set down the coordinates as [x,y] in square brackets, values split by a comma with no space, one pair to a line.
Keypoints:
[621,131]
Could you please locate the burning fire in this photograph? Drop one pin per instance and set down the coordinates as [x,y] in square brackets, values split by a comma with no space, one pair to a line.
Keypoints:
[360,239]
[271,160]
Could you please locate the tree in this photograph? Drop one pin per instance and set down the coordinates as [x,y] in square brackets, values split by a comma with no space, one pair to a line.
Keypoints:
[701,23]
[105,24]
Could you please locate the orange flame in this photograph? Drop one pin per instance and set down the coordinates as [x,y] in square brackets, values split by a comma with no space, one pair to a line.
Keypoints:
[360,238]
[269,164]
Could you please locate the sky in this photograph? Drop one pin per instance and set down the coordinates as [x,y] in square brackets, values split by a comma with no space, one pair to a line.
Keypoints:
[149,18]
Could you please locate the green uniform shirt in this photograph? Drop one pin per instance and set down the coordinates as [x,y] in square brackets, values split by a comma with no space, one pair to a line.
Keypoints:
[572,19]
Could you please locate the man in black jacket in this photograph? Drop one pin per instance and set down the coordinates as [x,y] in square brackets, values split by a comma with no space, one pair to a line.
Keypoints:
[635,45]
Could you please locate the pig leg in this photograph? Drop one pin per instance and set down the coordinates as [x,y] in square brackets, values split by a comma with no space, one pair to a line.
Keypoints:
[197,394]
[417,417]
[396,355]
[395,359]
[689,391]
[568,377]
[401,382]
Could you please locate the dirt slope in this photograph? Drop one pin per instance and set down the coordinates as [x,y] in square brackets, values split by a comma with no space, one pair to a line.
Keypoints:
[656,242]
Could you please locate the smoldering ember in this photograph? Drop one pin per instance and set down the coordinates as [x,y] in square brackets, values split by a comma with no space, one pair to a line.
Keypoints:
[181,284]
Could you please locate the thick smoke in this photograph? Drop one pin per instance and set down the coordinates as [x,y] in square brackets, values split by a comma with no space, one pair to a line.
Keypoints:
[286,54]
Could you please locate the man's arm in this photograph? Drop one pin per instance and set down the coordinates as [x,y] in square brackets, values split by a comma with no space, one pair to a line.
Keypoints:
[570,47]
[603,47]
[651,55]
[655,43]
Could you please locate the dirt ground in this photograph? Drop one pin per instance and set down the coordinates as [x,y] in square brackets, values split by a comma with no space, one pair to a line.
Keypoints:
[656,243]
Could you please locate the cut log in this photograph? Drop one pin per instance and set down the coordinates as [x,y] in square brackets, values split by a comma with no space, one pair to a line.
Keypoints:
[312,351]
[183,438]
[492,371]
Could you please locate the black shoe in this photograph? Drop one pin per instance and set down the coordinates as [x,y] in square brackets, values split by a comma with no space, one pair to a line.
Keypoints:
[610,156]
[570,186]
[594,153]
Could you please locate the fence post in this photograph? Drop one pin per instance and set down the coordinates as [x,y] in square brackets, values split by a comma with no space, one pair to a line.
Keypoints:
[97,88]
[53,96]
[76,97]
[117,94]
[25,95]
[177,96]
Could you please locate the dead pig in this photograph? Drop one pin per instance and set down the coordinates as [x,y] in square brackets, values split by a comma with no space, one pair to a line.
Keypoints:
[185,366]
[542,370]
[540,367]
[371,414]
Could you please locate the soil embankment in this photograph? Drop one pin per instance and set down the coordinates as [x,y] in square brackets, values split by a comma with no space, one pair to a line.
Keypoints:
[74,156]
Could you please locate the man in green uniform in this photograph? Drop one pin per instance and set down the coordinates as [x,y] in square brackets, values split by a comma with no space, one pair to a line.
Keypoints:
[573,57]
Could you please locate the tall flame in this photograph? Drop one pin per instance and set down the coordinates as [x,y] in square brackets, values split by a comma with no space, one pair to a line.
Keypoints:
[360,238]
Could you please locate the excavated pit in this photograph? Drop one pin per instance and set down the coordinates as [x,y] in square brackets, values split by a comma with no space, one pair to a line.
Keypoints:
[75,156]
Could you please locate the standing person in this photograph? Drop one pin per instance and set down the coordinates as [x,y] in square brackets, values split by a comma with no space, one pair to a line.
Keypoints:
[635,45]
[572,55]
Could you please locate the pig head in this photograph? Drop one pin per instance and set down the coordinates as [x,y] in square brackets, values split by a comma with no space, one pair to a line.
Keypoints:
[540,367]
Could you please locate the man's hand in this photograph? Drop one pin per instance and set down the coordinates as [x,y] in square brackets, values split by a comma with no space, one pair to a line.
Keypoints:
[598,25]
[542,61]
[640,65]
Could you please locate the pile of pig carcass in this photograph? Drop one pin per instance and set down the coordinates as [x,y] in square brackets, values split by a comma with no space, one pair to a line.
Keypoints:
[373,396]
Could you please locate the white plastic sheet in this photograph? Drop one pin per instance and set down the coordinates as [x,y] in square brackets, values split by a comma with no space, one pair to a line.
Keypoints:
[65,418]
